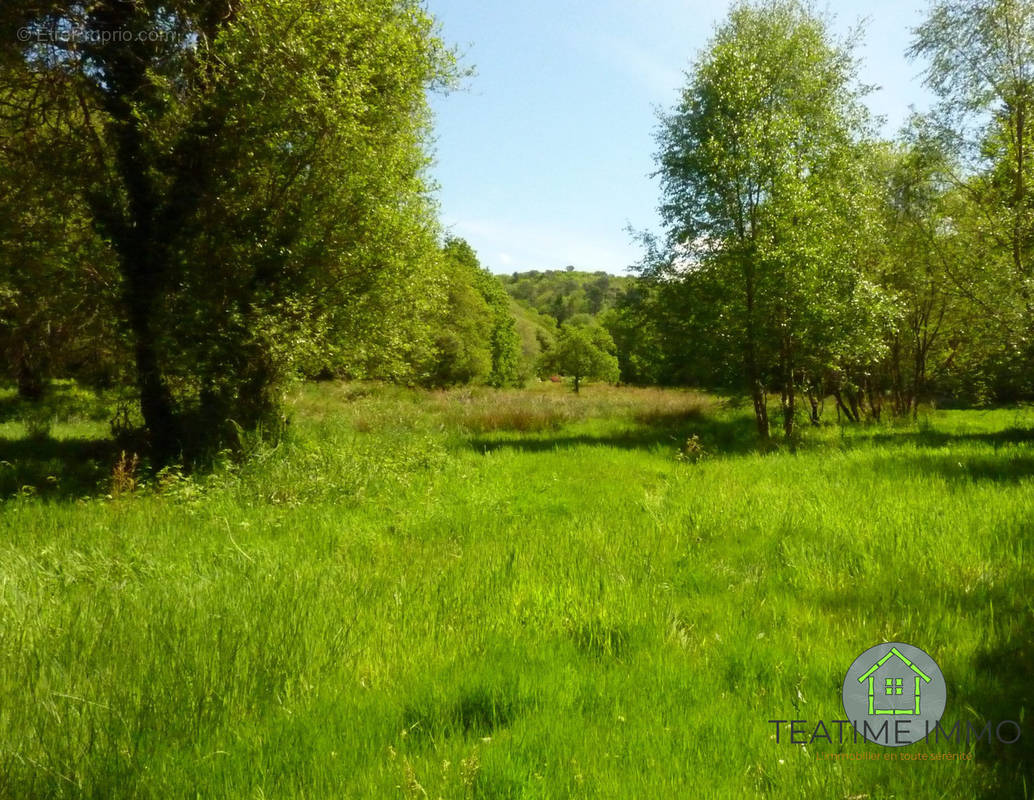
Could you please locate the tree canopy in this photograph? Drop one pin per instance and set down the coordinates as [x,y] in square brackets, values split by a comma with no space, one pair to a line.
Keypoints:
[583,350]
[765,203]
[257,172]
[476,337]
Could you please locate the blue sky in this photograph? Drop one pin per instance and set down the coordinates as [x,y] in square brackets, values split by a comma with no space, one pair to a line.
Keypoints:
[544,159]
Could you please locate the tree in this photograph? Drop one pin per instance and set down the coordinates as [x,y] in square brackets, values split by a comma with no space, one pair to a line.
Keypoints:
[583,350]
[477,338]
[537,335]
[766,206]
[981,65]
[257,170]
[562,294]
[58,309]
[980,56]
[935,325]
[634,324]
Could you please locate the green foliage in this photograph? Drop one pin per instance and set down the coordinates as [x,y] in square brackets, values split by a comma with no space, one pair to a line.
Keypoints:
[935,331]
[980,64]
[542,301]
[561,294]
[58,282]
[634,323]
[463,341]
[427,603]
[768,209]
[476,338]
[583,350]
[505,341]
[259,176]
[537,334]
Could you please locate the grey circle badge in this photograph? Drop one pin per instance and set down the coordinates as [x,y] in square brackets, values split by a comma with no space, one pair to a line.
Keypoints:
[894,694]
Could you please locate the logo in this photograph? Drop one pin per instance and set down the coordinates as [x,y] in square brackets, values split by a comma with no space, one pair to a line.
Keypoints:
[894,694]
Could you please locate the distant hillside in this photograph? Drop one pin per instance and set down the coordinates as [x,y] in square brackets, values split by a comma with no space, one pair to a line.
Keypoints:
[561,294]
[537,333]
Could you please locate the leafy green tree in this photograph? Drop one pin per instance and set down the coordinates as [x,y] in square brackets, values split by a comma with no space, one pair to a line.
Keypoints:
[58,300]
[505,341]
[584,350]
[980,59]
[936,327]
[257,170]
[766,206]
[462,342]
[477,337]
[981,65]
[634,324]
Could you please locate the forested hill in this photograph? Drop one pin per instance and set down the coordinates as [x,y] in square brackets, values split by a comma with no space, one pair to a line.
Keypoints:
[561,294]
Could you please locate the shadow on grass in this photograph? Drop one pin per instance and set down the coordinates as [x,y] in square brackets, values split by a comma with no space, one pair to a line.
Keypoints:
[728,436]
[1013,468]
[10,407]
[62,469]
[993,687]
[1008,455]
[930,438]
[1004,691]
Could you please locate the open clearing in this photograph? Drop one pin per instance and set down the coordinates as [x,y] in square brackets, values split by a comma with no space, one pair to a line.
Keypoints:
[509,594]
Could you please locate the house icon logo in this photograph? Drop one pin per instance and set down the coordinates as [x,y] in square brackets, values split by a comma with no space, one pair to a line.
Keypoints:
[894,694]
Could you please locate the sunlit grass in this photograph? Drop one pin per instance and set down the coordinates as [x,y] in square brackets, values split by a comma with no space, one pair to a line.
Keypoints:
[482,594]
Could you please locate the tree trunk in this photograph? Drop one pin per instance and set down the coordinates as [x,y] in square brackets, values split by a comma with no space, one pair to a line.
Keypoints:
[139,239]
[31,384]
[902,403]
[789,390]
[816,412]
[155,399]
[841,406]
[918,381]
[789,410]
[140,258]
[1019,192]
[760,410]
[857,404]
[755,385]
[577,381]
[875,401]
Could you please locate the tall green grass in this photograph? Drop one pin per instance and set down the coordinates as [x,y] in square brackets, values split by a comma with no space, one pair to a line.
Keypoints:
[504,594]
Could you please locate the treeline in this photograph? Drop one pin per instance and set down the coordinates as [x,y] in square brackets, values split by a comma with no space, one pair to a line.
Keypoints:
[562,294]
[228,196]
[205,200]
[564,321]
[814,267]
[805,259]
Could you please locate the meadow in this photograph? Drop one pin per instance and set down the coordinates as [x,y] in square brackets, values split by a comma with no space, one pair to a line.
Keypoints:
[481,594]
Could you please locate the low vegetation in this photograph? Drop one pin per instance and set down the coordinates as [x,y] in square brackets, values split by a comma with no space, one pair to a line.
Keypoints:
[440,572]
[479,593]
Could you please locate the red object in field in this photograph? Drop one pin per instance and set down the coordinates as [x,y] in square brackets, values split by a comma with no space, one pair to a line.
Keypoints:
[556,379]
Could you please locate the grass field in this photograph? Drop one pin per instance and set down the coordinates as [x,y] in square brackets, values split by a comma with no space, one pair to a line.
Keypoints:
[499,595]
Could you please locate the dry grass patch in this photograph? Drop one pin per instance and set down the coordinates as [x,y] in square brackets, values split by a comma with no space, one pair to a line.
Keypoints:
[549,407]
[371,407]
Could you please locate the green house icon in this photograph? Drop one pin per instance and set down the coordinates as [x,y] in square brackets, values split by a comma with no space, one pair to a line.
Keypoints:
[894,685]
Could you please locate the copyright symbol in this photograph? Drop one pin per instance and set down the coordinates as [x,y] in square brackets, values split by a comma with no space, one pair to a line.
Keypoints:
[24,34]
